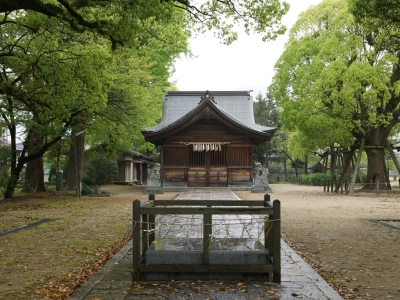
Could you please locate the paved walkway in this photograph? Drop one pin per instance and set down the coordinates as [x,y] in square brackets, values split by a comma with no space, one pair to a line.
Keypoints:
[114,280]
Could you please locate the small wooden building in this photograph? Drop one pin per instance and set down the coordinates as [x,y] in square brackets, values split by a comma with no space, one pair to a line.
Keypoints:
[133,167]
[207,138]
[318,167]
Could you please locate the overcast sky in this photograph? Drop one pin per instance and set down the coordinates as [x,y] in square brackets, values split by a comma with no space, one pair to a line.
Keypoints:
[247,64]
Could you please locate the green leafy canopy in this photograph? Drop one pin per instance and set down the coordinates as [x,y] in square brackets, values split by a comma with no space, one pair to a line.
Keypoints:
[333,82]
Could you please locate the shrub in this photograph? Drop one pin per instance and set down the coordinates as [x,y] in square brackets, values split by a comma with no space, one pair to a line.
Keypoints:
[363,176]
[319,178]
[101,169]
[304,179]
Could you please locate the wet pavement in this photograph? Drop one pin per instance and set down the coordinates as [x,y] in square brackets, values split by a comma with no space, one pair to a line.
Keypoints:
[299,280]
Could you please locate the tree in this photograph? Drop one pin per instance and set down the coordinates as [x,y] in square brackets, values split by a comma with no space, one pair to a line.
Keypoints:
[49,76]
[55,56]
[337,83]
[386,12]
[379,16]
[119,20]
[265,113]
[140,77]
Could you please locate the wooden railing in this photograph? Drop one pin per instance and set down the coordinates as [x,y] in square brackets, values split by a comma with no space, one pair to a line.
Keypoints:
[144,233]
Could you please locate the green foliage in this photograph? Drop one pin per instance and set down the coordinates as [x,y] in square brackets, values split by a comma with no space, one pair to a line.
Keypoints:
[265,113]
[314,179]
[363,177]
[379,15]
[103,65]
[337,82]
[101,169]
[304,179]
[319,178]
[120,20]
[275,167]
[52,174]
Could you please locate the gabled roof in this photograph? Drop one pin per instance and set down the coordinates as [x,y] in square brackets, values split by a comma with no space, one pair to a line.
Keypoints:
[318,163]
[233,107]
[136,156]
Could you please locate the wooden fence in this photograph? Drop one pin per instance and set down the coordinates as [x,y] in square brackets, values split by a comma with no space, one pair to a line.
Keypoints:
[344,186]
[144,233]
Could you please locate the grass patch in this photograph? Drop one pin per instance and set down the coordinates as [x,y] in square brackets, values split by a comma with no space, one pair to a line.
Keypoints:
[51,260]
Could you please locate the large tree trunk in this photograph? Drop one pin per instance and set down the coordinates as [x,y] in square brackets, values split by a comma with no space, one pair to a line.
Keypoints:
[376,169]
[375,144]
[15,167]
[75,160]
[347,157]
[34,176]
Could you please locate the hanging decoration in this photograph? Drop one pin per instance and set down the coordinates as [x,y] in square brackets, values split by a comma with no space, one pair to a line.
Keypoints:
[205,146]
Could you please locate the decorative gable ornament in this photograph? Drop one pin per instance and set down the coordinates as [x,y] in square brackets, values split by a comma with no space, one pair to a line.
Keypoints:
[207,96]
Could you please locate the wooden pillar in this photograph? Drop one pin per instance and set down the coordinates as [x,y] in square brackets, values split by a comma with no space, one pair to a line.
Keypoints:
[345,167]
[277,241]
[386,170]
[141,173]
[268,242]
[207,231]
[131,179]
[353,179]
[266,155]
[136,240]
[333,164]
[152,222]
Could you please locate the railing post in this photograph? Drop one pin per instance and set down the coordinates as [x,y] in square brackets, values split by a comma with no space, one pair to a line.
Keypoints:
[145,232]
[152,222]
[207,231]
[136,239]
[268,241]
[277,241]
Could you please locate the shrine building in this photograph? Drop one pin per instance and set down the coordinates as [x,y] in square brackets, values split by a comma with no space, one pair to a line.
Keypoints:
[207,139]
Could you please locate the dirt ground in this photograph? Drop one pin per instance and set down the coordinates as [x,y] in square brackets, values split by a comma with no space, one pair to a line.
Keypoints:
[360,259]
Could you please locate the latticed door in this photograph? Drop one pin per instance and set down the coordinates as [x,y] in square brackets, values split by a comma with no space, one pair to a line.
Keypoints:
[207,167]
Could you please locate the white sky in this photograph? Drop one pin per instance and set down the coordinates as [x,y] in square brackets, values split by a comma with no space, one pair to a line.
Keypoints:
[247,64]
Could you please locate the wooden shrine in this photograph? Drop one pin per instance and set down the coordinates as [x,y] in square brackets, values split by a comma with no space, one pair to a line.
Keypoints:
[207,139]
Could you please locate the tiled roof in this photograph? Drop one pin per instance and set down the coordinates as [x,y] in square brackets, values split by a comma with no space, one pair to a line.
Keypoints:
[235,105]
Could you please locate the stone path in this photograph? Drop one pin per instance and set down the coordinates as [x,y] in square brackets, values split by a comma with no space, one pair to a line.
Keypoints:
[229,232]
[114,280]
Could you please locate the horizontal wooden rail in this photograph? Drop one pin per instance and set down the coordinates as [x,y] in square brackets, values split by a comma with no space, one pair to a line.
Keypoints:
[206,210]
[208,268]
[209,203]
